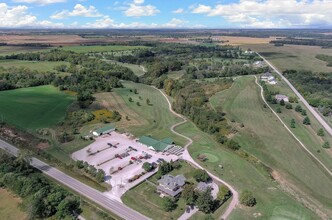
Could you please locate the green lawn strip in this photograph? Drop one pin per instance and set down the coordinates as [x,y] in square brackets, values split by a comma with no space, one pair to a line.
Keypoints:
[137,69]
[157,116]
[41,66]
[265,137]
[9,50]
[34,107]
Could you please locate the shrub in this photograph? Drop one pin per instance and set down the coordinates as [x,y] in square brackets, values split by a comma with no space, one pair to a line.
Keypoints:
[201,176]
[306,121]
[247,198]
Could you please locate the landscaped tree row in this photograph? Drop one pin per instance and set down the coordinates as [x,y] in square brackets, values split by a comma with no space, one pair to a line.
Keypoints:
[41,198]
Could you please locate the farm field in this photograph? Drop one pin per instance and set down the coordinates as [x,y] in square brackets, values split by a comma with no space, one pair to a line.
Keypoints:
[9,50]
[293,56]
[154,119]
[9,206]
[33,65]
[86,49]
[236,41]
[264,137]
[44,106]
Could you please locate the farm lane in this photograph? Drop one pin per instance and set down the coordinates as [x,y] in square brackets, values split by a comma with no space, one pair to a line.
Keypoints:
[186,156]
[301,98]
[112,205]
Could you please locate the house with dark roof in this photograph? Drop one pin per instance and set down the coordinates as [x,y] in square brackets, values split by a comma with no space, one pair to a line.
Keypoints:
[171,185]
[156,145]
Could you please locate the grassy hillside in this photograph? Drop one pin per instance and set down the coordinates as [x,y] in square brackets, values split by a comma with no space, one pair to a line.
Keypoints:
[33,65]
[9,206]
[35,107]
[265,137]
[293,56]
[143,119]
[9,50]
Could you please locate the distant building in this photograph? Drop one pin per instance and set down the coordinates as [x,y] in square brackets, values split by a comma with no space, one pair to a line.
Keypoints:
[104,130]
[280,97]
[269,78]
[170,185]
[156,145]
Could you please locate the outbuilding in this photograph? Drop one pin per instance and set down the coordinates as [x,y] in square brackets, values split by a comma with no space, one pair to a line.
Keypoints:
[104,130]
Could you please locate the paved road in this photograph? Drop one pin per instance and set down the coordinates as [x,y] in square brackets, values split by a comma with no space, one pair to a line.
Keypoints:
[186,156]
[112,205]
[301,98]
[302,145]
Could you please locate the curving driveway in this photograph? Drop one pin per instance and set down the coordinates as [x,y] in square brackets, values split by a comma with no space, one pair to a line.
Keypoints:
[186,156]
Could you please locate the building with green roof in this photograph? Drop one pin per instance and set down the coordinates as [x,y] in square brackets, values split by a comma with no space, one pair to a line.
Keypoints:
[156,144]
[104,130]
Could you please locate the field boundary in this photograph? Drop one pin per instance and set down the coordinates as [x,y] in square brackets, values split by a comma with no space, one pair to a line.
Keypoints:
[294,136]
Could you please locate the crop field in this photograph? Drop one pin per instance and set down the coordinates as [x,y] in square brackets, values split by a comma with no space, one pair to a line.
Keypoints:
[86,49]
[9,206]
[154,119]
[293,56]
[9,50]
[35,107]
[265,137]
[41,66]
[236,41]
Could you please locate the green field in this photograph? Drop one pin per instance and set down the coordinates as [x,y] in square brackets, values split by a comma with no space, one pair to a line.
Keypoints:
[154,119]
[137,69]
[265,137]
[9,50]
[87,49]
[9,206]
[33,65]
[35,107]
[293,56]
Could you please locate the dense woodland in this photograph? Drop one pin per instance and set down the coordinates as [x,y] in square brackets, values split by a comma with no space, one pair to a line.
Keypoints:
[310,42]
[41,198]
[326,58]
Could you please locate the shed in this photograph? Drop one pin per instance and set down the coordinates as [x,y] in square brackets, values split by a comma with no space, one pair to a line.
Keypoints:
[104,130]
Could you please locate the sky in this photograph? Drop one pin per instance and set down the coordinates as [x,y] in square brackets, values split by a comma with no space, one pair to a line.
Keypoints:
[166,14]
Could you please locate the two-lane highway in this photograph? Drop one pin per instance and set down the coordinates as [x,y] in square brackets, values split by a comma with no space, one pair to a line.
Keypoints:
[320,119]
[99,198]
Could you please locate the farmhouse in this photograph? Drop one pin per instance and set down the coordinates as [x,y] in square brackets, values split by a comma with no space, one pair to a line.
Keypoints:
[280,97]
[156,145]
[170,185]
[104,130]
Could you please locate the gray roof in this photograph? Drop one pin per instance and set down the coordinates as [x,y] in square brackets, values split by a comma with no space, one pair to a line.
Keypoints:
[279,96]
[267,74]
[202,186]
[172,182]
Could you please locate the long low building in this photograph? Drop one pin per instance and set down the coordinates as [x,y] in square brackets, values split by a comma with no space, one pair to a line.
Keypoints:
[104,130]
[156,145]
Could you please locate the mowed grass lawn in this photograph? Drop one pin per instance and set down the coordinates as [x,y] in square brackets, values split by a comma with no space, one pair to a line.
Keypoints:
[265,137]
[150,203]
[35,107]
[297,57]
[86,49]
[143,119]
[9,206]
[33,65]
[137,69]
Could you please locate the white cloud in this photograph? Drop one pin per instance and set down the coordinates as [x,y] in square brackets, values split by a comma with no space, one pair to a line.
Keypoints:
[79,10]
[18,16]
[178,11]
[137,9]
[40,2]
[272,13]
[107,22]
